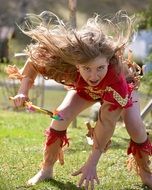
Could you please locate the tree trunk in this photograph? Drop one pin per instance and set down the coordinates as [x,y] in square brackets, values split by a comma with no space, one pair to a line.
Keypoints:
[72,8]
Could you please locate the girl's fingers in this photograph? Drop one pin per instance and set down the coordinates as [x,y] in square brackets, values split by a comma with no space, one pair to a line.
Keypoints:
[81,181]
[87,184]
[77,173]
[16,102]
[19,102]
[89,180]
[92,184]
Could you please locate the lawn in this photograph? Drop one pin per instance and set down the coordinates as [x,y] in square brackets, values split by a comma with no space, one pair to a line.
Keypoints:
[21,145]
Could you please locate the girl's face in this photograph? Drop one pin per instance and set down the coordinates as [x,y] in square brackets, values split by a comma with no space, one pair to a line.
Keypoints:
[94,71]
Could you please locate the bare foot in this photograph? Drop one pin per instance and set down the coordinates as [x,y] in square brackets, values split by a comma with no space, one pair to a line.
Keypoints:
[41,176]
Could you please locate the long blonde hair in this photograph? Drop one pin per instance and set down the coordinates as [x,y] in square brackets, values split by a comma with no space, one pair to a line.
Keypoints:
[57,48]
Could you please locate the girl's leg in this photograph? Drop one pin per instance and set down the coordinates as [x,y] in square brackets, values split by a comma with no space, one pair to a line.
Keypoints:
[71,106]
[105,126]
[140,146]
[133,121]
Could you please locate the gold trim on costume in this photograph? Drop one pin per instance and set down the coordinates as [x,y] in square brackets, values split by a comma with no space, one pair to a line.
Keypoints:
[122,101]
[94,93]
[97,94]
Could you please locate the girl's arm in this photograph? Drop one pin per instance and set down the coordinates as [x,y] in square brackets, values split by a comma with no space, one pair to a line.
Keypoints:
[29,72]
[103,131]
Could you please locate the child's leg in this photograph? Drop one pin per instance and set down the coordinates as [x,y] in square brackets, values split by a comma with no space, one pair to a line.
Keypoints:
[133,121]
[140,146]
[105,126]
[72,105]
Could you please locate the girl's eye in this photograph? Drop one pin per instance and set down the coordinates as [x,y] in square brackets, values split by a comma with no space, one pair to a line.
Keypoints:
[86,68]
[101,68]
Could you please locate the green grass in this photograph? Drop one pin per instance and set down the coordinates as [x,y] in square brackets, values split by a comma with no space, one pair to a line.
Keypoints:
[21,145]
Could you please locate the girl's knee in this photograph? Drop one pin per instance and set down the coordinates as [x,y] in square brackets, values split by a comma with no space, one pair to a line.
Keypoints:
[66,114]
[63,123]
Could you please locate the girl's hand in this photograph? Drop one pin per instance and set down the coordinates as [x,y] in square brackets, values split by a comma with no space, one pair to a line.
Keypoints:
[89,175]
[19,100]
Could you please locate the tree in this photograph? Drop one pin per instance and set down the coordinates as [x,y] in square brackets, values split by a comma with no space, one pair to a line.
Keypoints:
[145,22]
[145,19]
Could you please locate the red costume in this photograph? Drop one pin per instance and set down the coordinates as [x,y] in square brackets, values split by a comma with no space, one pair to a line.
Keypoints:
[113,88]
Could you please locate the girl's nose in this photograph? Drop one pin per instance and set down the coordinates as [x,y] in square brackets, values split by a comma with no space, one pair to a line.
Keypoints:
[93,76]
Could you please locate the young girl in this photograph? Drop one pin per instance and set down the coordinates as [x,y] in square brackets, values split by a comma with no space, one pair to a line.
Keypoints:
[90,62]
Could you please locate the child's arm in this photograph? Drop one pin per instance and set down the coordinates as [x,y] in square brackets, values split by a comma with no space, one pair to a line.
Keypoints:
[29,72]
[102,133]
[88,170]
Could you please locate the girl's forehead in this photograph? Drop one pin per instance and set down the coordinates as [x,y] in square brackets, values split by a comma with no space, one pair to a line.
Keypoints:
[99,61]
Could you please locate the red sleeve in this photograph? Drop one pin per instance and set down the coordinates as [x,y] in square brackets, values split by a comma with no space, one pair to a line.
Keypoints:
[118,94]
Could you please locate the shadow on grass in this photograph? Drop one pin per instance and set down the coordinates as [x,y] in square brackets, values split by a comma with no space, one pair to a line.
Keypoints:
[143,187]
[5,184]
[53,183]
[63,186]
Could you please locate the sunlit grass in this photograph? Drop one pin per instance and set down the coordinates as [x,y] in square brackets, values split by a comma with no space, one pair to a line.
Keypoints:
[21,146]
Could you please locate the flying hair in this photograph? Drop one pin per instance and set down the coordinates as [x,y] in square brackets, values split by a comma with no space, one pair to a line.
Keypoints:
[56,48]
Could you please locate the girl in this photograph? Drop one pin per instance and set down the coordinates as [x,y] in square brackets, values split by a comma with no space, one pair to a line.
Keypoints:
[90,62]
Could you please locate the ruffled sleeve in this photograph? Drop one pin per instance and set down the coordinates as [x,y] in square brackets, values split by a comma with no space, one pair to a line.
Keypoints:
[119,94]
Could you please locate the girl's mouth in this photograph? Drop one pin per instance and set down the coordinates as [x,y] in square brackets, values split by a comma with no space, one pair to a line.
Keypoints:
[94,82]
